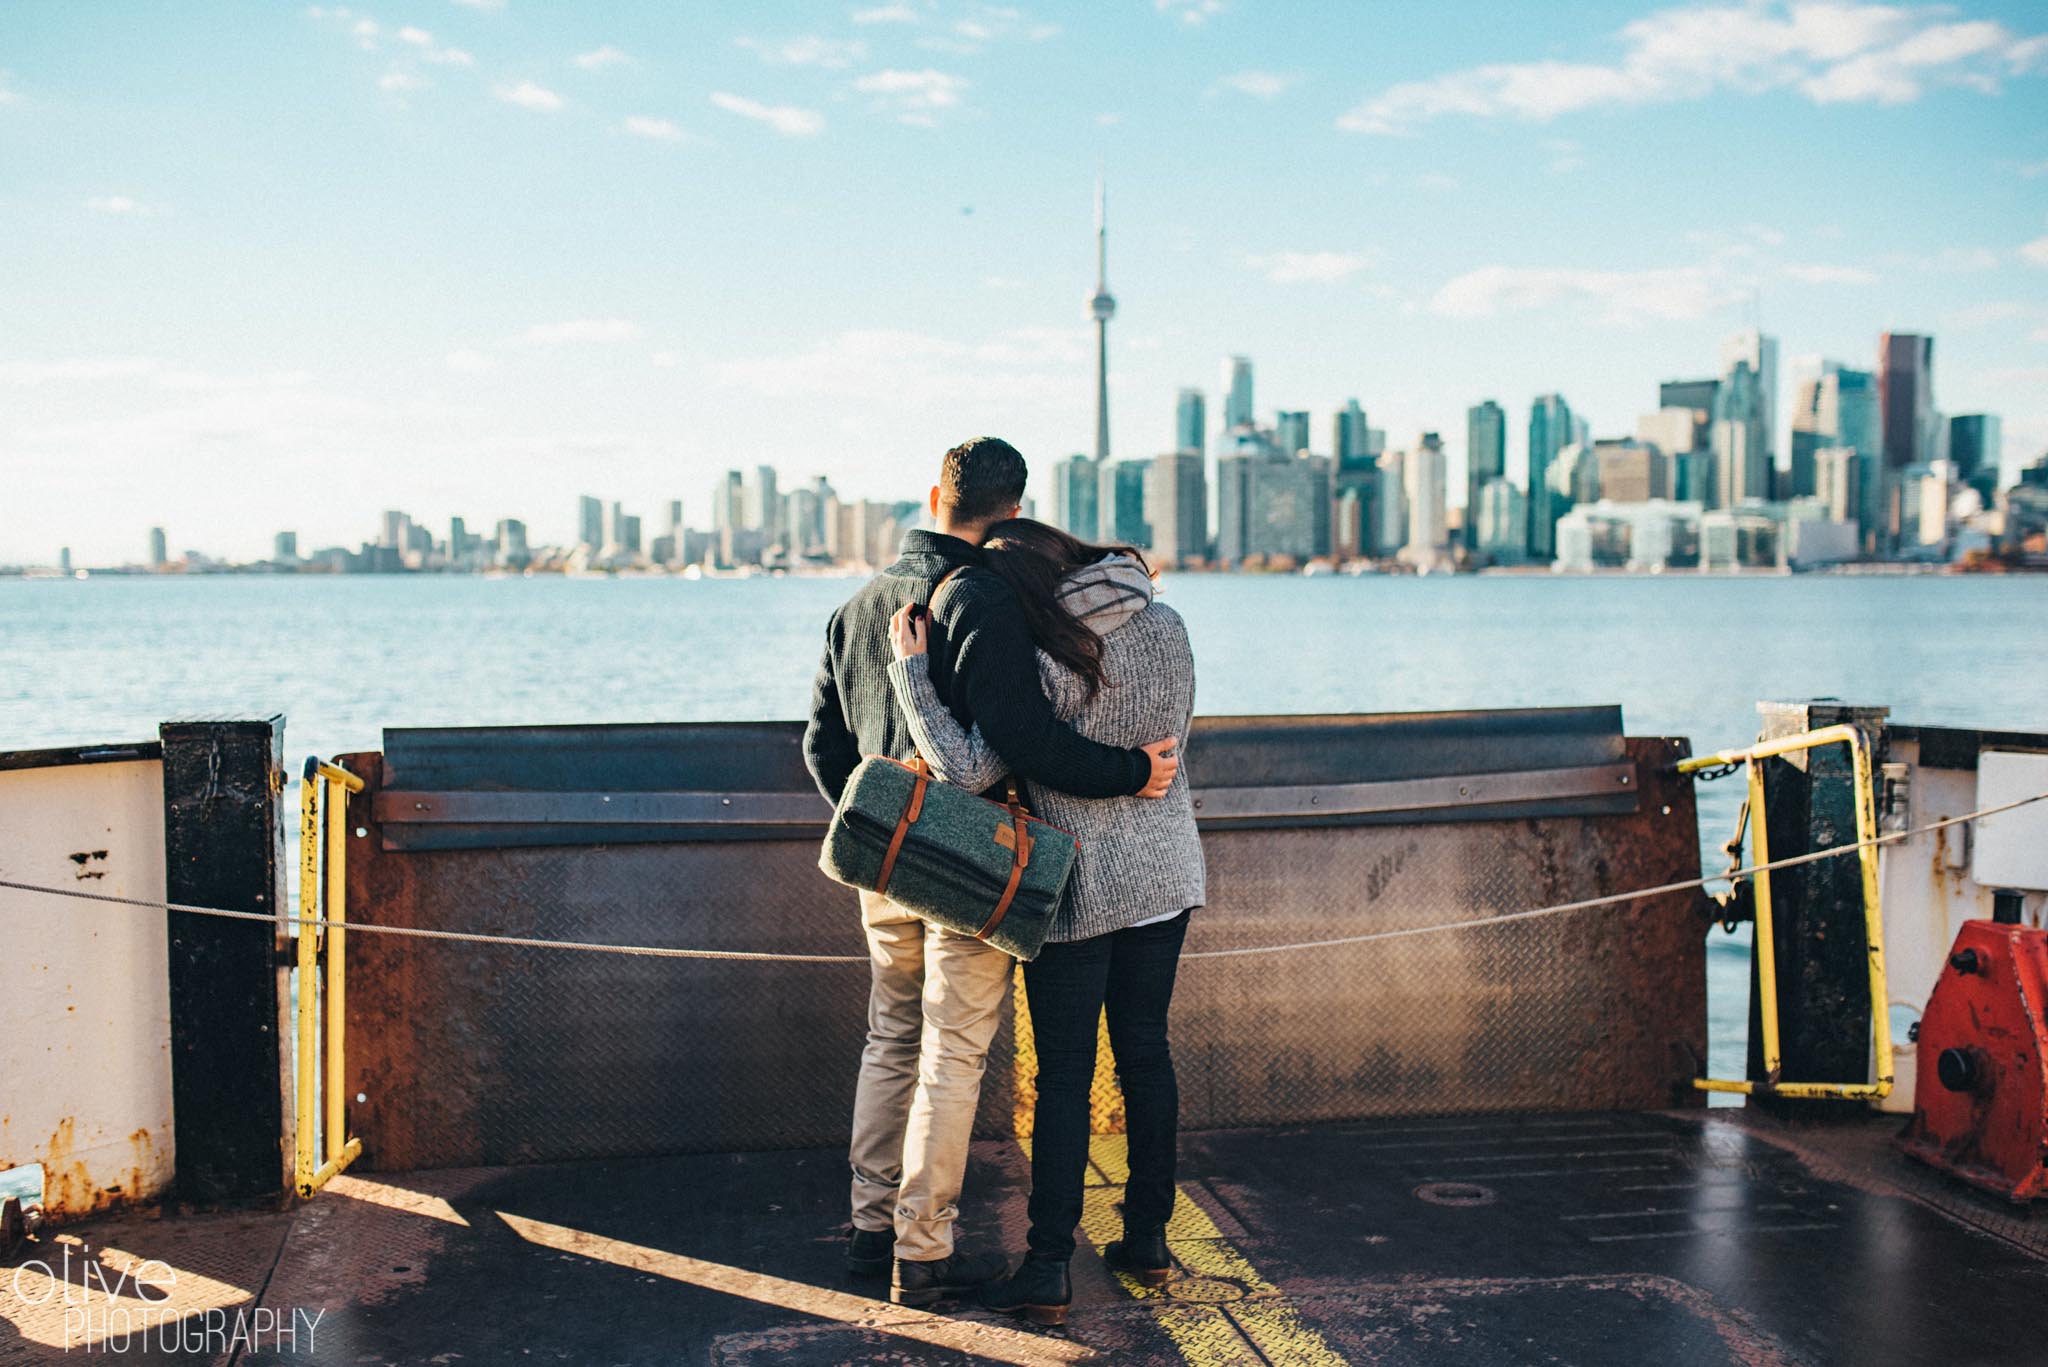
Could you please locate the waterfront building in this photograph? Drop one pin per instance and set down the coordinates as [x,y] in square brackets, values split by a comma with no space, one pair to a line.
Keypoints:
[1813,535]
[1350,440]
[1752,348]
[395,531]
[589,522]
[1190,422]
[1905,398]
[1630,471]
[1290,432]
[800,520]
[1352,511]
[1427,544]
[1486,459]
[1652,535]
[1392,531]
[1502,524]
[1550,431]
[159,547]
[1741,439]
[284,548]
[511,551]
[1101,307]
[1974,442]
[1237,393]
[729,502]
[1177,507]
[1076,495]
[1738,538]
[1838,482]
[1121,512]
[1267,502]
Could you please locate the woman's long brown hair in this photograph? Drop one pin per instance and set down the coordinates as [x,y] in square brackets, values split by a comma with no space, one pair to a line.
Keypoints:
[1032,558]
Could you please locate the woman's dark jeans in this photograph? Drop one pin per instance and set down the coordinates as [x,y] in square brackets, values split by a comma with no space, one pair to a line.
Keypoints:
[1129,973]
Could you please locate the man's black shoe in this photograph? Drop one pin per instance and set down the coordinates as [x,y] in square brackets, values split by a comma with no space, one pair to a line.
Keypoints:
[868,1251]
[915,1283]
[1039,1291]
[1141,1253]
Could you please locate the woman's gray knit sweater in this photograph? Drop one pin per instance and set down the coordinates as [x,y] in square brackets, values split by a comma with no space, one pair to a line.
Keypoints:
[1140,857]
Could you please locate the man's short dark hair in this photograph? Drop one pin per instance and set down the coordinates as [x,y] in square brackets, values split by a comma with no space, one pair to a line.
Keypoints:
[981,479]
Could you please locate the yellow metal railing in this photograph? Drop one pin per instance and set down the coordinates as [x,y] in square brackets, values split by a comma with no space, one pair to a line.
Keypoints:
[1765,946]
[323,818]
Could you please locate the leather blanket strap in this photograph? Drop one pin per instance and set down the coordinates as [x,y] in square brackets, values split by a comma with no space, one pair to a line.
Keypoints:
[1020,856]
[913,807]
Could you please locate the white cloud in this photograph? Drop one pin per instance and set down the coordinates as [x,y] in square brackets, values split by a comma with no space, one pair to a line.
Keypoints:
[886,14]
[2030,170]
[577,331]
[418,37]
[2038,335]
[787,120]
[665,360]
[448,56]
[1308,268]
[1565,156]
[83,370]
[492,5]
[1831,52]
[1192,12]
[469,362]
[659,130]
[597,59]
[1684,292]
[528,95]
[1820,273]
[916,97]
[8,95]
[397,82]
[1985,314]
[118,206]
[2036,251]
[834,54]
[1438,182]
[366,32]
[1261,85]
[1949,260]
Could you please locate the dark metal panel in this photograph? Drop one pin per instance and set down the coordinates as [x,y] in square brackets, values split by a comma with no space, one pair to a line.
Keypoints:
[1956,747]
[80,754]
[474,1054]
[229,991]
[1472,796]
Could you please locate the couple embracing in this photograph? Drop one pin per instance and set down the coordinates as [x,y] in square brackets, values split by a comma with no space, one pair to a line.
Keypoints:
[1049,661]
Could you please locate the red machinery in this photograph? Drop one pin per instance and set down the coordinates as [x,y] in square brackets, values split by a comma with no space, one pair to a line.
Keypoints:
[1981,1100]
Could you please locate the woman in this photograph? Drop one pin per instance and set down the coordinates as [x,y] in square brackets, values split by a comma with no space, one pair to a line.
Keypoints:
[1115,662]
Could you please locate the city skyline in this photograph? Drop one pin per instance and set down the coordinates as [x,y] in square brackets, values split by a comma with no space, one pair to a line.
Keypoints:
[396,254]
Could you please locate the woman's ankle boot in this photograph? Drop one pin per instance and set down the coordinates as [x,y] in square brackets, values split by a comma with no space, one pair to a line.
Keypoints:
[1141,1253]
[1039,1291]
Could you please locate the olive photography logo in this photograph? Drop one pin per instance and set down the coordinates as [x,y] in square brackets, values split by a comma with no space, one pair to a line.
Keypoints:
[97,1303]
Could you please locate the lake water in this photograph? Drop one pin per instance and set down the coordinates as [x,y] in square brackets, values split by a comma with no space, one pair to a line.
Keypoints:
[106,659]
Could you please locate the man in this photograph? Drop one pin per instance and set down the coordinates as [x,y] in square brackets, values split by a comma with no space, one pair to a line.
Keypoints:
[935,996]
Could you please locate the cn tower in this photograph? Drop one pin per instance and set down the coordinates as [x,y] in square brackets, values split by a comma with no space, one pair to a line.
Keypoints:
[1102,308]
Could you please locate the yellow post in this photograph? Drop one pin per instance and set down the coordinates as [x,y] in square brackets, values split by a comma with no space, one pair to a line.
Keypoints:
[306,1067]
[1766,945]
[1873,914]
[336,811]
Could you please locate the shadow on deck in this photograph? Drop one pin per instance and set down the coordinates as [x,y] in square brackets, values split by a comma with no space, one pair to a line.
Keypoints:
[1595,1238]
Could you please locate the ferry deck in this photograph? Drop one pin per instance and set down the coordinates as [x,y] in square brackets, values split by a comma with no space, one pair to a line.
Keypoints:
[1441,1034]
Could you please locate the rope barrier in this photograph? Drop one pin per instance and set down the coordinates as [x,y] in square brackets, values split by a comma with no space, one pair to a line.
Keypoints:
[750,956]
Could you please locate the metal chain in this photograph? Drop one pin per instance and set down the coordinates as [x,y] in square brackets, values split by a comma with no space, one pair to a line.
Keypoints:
[746,956]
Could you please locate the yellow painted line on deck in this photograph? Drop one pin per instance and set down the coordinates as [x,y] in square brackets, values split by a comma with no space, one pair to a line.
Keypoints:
[1262,1330]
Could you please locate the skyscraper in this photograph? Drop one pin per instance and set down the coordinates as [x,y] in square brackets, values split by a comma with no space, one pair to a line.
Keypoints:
[1237,393]
[1350,440]
[1486,458]
[159,553]
[1974,440]
[1290,433]
[1190,422]
[1423,483]
[589,522]
[1905,398]
[1101,308]
[1550,431]
[1742,463]
[1121,514]
[1076,496]
[1177,507]
[1750,346]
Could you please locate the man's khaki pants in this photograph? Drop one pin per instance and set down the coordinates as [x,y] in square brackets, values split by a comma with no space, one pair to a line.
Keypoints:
[933,1003]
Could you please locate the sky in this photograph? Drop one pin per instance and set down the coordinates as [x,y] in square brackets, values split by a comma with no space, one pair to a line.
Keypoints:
[267,266]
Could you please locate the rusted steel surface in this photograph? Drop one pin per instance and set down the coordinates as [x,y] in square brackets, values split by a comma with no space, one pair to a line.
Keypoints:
[467,1054]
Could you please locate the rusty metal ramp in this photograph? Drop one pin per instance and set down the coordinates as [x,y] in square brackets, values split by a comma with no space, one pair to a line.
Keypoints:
[1315,829]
